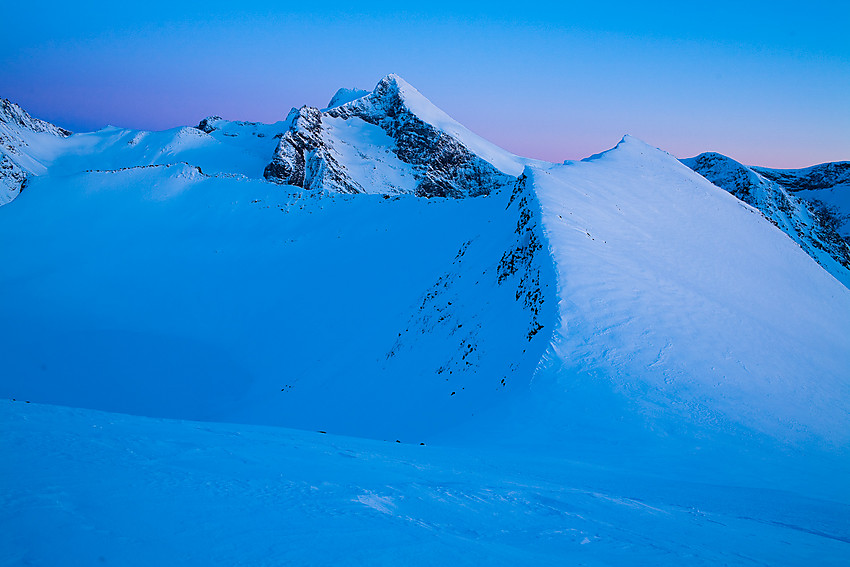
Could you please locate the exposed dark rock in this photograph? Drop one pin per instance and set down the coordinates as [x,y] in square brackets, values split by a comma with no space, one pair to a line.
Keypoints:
[13,120]
[443,166]
[520,262]
[823,176]
[208,124]
[12,179]
[12,114]
[811,225]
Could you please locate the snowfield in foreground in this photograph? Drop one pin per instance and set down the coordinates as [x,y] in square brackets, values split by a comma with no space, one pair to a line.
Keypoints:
[91,488]
[604,362]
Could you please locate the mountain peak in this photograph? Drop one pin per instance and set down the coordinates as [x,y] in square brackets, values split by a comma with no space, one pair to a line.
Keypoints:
[408,143]
[629,141]
[629,145]
[392,90]
[13,115]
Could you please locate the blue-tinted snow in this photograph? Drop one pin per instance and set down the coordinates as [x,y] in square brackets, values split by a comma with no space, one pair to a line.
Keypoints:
[684,401]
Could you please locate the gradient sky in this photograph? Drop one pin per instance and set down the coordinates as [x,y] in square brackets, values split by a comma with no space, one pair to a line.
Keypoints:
[765,83]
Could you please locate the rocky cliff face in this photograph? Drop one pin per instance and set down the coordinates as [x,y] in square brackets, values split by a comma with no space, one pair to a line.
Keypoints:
[825,187]
[807,224]
[13,115]
[12,179]
[15,162]
[305,156]
[823,176]
[402,136]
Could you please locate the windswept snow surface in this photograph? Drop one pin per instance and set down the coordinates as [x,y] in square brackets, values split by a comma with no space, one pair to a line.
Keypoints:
[87,488]
[609,361]
[688,306]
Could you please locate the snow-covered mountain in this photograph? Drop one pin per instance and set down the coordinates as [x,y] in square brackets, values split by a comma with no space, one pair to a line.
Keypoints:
[18,131]
[826,187]
[619,325]
[392,140]
[790,200]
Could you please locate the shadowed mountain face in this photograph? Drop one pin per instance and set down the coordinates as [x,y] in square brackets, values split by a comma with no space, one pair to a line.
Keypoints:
[788,199]
[826,187]
[823,176]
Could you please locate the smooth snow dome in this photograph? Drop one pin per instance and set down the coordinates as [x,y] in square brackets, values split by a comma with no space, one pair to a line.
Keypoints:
[344,95]
[608,361]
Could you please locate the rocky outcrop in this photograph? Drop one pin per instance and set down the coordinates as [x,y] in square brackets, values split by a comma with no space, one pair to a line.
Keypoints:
[823,176]
[309,154]
[12,179]
[521,263]
[485,320]
[13,115]
[208,124]
[305,158]
[807,224]
[825,187]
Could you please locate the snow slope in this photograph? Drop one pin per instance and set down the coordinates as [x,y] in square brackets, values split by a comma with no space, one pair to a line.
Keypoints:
[688,302]
[217,146]
[609,347]
[345,95]
[21,137]
[89,487]
[804,220]
[256,300]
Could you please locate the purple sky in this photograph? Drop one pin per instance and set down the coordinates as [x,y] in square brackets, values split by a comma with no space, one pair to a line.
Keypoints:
[767,86]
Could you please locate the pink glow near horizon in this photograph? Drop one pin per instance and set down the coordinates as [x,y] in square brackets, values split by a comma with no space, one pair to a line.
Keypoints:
[764,88]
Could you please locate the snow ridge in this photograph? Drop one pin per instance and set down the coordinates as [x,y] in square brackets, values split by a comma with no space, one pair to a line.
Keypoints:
[673,297]
[615,356]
